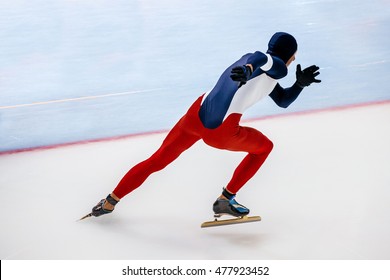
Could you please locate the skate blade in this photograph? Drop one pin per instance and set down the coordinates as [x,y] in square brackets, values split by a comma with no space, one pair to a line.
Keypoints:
[239,220]
[86,216]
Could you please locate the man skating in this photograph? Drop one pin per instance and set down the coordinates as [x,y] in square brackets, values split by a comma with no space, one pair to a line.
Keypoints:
[214,117]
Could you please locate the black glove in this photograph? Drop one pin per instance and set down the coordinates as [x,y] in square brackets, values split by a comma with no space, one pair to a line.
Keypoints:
[307,76]
[241,74]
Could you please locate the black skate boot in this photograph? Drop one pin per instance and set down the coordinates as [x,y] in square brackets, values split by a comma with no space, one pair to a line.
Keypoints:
[99,209]
[229,207]
[226,204]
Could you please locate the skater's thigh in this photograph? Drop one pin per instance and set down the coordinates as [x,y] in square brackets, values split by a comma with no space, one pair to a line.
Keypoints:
[246,139]
[250,140]
[180,138]
[233,137]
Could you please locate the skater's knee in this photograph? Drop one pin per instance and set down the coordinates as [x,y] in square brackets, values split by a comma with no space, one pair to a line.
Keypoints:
[269,145]
[157,164]
[162,158]
[265,147]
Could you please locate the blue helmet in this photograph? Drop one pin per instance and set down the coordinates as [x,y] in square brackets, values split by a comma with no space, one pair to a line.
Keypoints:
[282,45]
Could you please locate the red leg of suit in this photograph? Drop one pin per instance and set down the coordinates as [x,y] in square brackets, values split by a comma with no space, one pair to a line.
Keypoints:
[176,142]
[233,137]
[248,167]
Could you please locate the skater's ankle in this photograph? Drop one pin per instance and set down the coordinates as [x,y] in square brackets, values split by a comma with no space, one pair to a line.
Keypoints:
[108,206]
[113,195]
[226,195]
[111,205]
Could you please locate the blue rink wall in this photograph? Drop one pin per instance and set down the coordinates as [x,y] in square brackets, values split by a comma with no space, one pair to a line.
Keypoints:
[74,71]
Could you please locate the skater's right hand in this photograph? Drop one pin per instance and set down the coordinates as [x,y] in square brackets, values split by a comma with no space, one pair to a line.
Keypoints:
[241,74]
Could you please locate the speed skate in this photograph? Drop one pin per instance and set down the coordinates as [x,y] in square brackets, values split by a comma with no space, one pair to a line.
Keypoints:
[232,221]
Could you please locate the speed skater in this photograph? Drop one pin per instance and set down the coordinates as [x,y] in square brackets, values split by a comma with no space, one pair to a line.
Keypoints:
[214,117]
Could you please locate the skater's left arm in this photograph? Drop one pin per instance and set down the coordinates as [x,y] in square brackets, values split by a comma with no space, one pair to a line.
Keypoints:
[283,97]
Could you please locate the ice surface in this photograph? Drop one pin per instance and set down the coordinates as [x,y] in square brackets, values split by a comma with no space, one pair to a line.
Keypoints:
[164,54]
[322,194]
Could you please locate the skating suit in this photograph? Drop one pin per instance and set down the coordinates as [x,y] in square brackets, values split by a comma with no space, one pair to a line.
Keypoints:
[214,117]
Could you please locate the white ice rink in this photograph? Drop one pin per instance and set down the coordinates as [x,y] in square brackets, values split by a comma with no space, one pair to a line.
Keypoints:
[323,194]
